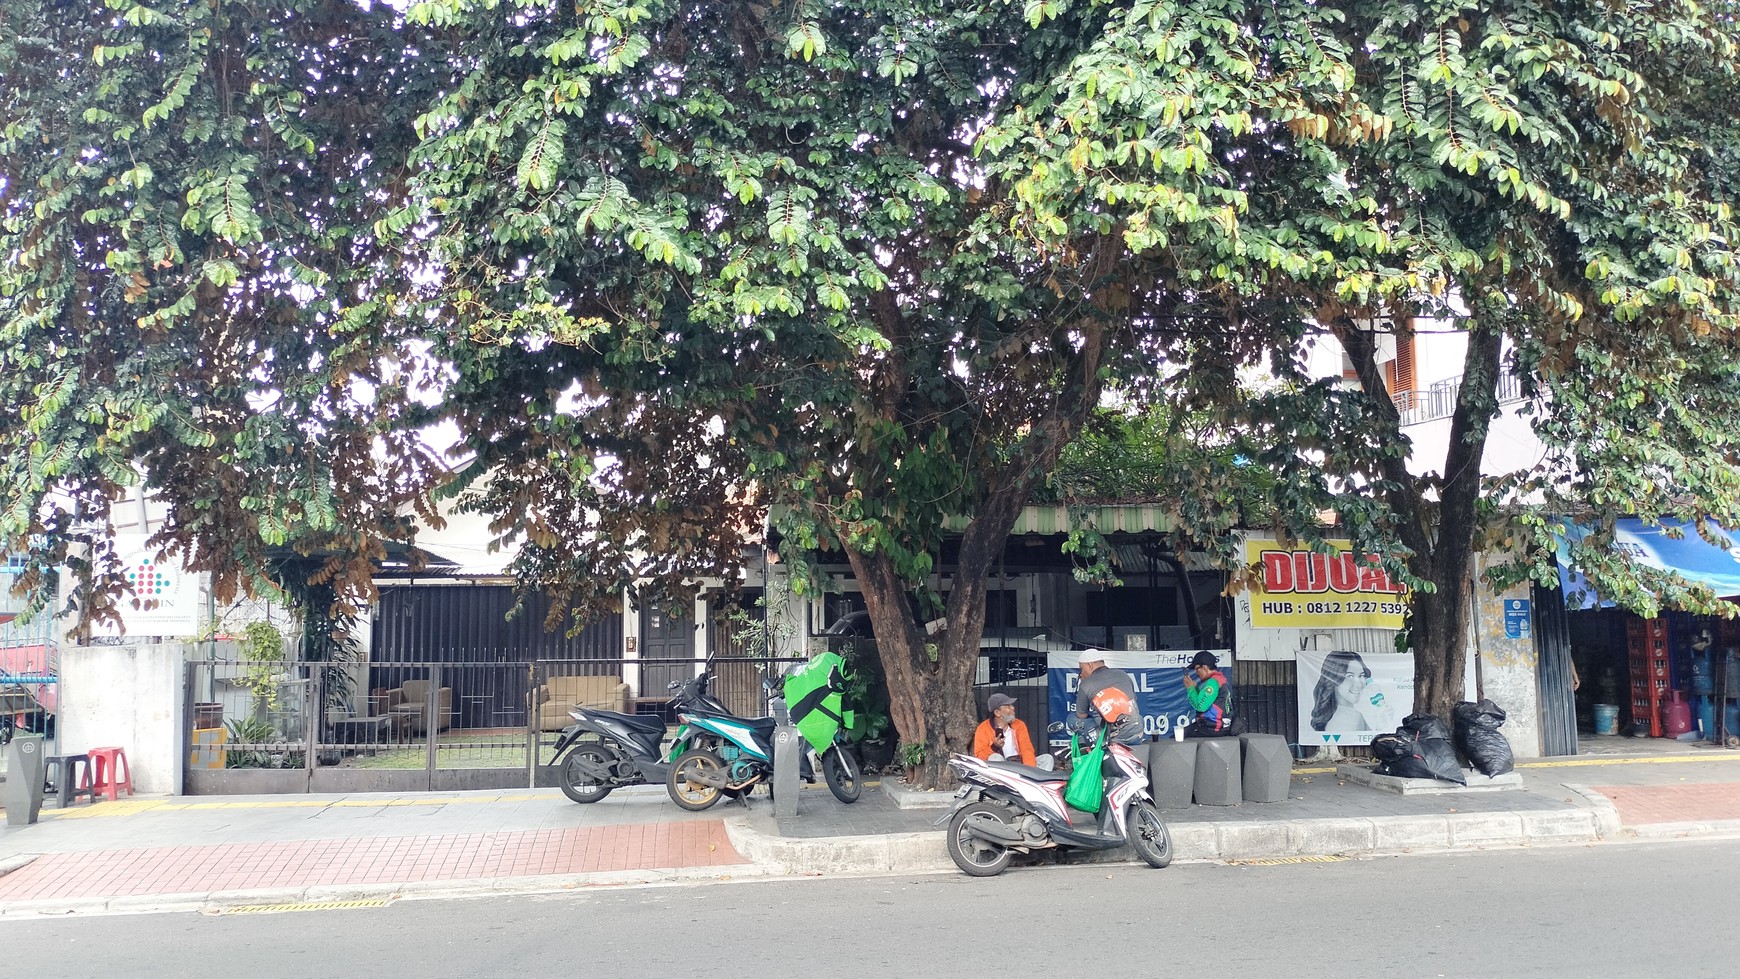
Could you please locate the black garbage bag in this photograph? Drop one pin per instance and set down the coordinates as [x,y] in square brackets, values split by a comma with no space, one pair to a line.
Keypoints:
[1426,726]
[1478,737]
[1389,747]
[1400,754]
[1432,738]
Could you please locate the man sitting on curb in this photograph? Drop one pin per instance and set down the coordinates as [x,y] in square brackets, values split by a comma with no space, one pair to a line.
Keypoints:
[1002,737]
[1209,694]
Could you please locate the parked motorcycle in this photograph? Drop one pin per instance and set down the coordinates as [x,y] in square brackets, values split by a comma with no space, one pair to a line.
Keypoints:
[1004,808]
[718,754]
[606,750]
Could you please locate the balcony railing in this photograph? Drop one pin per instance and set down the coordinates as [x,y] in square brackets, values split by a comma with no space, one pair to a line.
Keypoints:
[1438,400]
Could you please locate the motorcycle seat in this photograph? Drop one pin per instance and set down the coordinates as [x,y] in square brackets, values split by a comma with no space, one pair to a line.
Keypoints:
[1028,771]
[651,723]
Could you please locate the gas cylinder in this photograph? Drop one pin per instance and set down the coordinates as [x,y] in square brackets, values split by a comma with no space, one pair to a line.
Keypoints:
[1676,716]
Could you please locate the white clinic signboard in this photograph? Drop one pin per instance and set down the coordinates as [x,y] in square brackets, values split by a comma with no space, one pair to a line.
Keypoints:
[165,599]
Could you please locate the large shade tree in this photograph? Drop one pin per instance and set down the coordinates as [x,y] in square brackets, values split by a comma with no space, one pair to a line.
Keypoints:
[1554,181]
[715,260]
[667,265]
[875,265]
[192,294]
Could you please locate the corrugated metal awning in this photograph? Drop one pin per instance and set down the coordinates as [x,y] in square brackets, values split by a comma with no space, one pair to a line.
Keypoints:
[1047,520]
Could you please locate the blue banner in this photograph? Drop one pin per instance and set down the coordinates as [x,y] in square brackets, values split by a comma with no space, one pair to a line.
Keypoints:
[1690,557]
[1157,674]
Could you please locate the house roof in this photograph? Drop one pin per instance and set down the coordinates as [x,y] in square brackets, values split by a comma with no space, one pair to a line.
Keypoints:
[1107,519]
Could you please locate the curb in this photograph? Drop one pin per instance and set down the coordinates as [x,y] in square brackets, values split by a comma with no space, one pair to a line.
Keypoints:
[890,853]
[756,837]
[19,862]
[921,853]
[1606,813]
[1715,828]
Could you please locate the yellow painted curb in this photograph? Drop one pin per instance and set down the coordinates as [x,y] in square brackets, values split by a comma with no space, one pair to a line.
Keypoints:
[306,906]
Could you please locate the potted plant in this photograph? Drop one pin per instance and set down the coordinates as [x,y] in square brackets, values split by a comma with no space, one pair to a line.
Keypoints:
[867,696]
[251,738]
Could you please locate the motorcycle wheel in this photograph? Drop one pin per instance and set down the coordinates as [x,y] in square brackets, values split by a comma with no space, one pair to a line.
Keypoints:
[576,785]
[694,796]
[842,775]
[977,857]
[1147,834]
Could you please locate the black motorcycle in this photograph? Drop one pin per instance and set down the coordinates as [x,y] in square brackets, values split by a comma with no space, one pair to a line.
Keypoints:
[604,750]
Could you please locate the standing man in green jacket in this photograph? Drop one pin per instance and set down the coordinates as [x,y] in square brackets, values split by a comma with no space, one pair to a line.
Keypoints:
[1210,696]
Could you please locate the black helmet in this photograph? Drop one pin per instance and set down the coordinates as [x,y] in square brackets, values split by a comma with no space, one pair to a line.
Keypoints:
[1203,658]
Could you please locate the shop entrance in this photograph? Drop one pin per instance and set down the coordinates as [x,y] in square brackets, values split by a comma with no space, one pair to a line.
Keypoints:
[1674,676]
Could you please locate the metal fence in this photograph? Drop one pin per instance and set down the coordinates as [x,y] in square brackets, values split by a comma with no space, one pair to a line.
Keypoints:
[400,726]
[1438,400]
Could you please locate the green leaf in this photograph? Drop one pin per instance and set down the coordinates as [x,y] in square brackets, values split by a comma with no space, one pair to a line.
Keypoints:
[806,39]
[543,156]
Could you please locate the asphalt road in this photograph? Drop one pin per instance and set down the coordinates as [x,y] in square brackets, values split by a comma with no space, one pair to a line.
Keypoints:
[1664,909]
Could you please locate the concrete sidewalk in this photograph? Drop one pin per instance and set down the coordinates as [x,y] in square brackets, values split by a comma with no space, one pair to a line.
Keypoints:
[157,854]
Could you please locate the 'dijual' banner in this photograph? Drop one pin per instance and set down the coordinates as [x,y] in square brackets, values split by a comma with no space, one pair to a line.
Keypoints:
[1304,589]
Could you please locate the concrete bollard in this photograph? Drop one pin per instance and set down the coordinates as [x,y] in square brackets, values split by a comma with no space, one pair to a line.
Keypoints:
[1172,772]
[788,752]
[24,780]
[1268,767]
[1218,780]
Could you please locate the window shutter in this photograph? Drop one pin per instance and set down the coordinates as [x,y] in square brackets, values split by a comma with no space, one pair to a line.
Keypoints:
[1400,372]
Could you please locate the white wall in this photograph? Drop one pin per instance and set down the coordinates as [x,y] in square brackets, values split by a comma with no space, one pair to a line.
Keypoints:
[128,697]
[1511,446]
[1506,670]
[465,540]
[1439,354]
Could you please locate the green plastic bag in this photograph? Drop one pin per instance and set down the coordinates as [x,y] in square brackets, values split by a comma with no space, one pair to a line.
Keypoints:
[1086,789]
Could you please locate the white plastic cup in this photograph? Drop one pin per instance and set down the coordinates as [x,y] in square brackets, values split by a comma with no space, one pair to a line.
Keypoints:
[1178,733]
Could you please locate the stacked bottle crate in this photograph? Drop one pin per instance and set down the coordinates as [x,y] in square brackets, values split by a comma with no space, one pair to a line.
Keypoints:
[1650,672]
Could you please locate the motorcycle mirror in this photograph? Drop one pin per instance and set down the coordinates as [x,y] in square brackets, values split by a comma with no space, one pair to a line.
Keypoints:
[674,684]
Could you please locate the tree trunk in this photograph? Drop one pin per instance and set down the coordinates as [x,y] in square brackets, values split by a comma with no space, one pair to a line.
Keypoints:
[1442,537]
[930,673]
[1438,632]
[1440,621]
[930,677]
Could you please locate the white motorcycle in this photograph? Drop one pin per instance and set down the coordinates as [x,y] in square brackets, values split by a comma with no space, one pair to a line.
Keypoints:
[1004,808]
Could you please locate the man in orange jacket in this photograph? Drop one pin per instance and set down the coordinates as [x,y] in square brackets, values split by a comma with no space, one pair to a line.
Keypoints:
[1001,736]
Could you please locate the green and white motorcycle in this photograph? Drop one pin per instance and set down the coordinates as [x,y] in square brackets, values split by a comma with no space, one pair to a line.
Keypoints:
[722,755]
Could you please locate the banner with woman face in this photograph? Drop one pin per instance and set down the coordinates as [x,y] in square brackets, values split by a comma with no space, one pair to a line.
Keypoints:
[1349,698]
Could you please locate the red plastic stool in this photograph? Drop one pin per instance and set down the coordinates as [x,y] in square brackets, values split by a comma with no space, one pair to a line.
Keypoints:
[112,773]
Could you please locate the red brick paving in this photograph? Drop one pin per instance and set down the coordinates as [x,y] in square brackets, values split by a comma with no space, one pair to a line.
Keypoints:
[375,860]
[1696,802]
